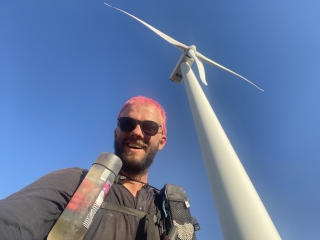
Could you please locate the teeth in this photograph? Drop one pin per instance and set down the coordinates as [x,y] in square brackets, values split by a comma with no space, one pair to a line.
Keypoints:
[132,145]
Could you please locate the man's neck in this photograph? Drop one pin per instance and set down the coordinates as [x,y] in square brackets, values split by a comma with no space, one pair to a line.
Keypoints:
[133,186]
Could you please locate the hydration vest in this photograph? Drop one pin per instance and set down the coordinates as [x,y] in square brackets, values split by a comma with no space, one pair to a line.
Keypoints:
[176,222]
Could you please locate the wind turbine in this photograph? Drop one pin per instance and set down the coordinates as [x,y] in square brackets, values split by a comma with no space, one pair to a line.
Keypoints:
[241,212]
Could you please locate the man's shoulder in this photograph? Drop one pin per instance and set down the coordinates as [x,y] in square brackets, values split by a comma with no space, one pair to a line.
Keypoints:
[39,204]
[73,171]
[71,177]
[64,181]
[73,174]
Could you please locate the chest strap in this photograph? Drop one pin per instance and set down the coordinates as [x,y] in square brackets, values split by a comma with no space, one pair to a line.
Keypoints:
[150,217]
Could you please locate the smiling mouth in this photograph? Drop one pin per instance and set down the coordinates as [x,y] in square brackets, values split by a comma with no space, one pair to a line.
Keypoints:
[135,145]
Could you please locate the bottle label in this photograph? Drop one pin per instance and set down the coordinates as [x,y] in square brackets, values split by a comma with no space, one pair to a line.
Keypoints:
[105,175]
[87,222]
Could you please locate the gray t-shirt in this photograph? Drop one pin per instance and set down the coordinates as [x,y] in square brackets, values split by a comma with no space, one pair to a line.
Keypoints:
[31,212]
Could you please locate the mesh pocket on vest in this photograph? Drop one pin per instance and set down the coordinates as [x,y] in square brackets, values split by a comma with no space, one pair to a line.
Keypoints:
[178,212]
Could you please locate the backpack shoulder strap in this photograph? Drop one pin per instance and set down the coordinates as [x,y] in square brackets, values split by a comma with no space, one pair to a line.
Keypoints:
[123,209]
[150,217]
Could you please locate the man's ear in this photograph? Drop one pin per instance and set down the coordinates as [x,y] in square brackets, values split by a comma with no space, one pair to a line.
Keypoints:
[162,142]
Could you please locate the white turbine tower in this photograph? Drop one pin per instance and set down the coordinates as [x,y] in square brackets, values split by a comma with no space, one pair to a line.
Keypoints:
[241,212]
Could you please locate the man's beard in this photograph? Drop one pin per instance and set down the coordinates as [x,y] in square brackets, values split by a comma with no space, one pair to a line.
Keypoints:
[131,165]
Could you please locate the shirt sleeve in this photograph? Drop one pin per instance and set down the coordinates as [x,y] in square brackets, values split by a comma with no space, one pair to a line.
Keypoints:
[31,212]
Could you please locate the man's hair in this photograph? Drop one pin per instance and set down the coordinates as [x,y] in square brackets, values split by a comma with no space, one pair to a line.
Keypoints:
[145,100]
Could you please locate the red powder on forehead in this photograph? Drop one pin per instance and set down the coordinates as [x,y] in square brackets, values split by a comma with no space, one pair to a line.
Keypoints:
[149,101]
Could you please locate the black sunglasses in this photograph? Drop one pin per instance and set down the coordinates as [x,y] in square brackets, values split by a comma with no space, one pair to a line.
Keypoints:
[128,124]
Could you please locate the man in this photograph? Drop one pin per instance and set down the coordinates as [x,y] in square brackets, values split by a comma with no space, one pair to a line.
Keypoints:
[140,133]
[135,147]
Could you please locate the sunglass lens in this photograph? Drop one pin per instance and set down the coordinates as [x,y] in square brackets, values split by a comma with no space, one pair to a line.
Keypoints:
[150,128]
[127,124]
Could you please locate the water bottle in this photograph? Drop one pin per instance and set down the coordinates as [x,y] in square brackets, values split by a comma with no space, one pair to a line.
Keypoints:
[75,220]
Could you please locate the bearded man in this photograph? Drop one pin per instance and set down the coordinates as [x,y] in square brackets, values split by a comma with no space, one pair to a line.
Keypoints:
[140,133]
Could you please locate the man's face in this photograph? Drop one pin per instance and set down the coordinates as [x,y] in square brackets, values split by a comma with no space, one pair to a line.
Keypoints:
[135,149]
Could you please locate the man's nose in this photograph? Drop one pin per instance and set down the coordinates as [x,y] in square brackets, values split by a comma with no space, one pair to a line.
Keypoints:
[137,131]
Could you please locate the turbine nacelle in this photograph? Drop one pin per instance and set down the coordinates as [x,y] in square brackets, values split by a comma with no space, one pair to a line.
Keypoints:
[188,57]
[176,75]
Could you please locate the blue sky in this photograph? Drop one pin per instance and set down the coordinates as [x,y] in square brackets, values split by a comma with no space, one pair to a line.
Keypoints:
[67,67]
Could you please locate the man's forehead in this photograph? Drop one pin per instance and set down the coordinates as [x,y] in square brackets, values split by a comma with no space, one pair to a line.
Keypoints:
[142,108]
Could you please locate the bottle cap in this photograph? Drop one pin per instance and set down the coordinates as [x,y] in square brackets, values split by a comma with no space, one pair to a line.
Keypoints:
[110,161]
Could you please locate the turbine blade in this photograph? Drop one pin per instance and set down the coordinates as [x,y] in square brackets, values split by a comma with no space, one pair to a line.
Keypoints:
[207,60]
[202,73]
[174,42]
